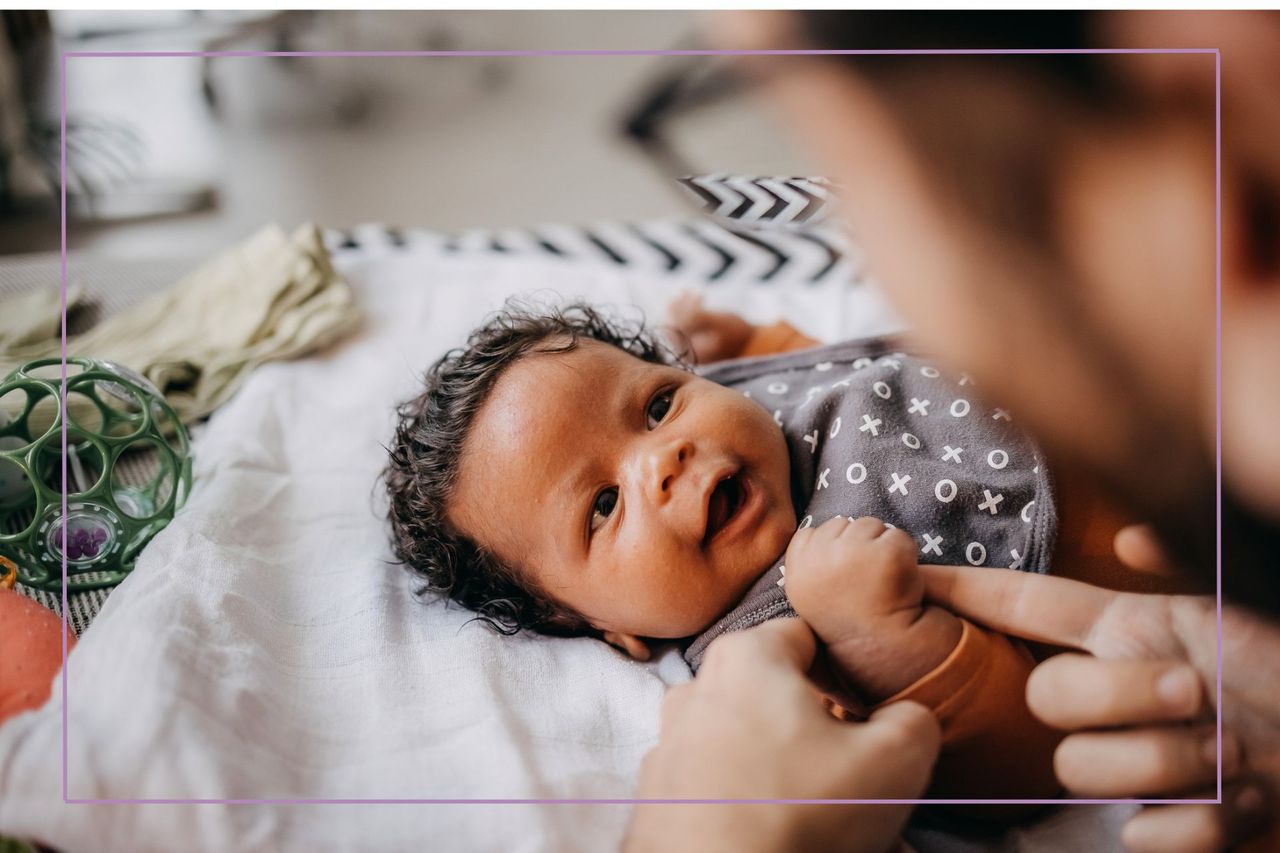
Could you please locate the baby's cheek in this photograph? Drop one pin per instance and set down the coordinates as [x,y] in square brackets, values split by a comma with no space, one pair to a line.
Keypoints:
[774,537]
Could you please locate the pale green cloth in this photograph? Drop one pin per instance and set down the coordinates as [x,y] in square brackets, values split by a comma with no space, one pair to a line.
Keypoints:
[271,297]
[31,319]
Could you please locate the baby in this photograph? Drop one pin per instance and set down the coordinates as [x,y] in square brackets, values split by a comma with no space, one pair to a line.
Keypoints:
[565,474]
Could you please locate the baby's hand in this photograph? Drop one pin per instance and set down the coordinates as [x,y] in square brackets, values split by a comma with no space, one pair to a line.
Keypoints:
[712,335]
[858,586]
[850,577]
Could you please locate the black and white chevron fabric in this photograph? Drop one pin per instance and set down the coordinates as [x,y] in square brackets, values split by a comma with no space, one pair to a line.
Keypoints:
[701,249]
[762,202]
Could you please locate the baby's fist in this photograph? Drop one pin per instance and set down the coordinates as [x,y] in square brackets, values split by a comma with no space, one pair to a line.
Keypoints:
[711,335]
[848,578]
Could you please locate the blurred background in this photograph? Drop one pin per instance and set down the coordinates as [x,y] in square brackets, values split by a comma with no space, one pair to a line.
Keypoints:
[183,156]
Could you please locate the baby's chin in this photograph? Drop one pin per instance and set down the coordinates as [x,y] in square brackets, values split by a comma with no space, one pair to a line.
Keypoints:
[733,593]
[691,624]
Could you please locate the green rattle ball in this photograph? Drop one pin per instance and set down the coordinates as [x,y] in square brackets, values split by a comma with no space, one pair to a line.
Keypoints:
[128,469]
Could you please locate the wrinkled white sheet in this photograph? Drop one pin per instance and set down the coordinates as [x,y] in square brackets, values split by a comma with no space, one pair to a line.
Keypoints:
[265,648]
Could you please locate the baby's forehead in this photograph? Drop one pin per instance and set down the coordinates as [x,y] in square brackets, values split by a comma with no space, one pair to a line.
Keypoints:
[551,393]
[562,351]
[590,364]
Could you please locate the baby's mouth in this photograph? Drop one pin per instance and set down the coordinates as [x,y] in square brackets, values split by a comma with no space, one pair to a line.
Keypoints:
[726,499]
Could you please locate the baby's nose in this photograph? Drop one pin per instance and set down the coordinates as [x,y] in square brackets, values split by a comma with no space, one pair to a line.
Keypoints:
[666,463]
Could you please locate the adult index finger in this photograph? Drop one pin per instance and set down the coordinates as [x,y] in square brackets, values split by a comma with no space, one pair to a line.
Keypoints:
[1035,607]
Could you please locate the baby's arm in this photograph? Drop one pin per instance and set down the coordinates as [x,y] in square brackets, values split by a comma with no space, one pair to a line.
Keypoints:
[857,584]
[718,335]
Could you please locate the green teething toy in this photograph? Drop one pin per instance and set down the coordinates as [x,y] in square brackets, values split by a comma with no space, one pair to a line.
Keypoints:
[118,428]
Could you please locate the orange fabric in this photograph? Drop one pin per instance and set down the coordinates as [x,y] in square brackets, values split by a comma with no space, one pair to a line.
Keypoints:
[991,744]
[776,338]
[30,653]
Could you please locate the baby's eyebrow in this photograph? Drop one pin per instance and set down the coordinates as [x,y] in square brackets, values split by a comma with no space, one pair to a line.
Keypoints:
[575,484]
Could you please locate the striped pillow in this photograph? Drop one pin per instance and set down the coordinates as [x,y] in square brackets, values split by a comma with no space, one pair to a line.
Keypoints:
[762,202]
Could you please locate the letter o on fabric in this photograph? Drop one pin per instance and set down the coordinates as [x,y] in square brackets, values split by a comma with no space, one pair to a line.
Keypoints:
[948,486]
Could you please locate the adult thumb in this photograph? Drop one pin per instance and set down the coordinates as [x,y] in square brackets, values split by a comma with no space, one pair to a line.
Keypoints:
[906,738]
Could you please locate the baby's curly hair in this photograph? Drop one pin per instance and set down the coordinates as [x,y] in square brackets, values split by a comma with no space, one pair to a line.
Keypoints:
[427,447]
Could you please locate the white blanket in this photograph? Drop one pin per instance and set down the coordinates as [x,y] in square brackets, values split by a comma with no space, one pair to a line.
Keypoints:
[265,648]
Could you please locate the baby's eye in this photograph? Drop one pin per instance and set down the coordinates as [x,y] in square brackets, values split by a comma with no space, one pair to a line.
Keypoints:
[658,408]
[602,507]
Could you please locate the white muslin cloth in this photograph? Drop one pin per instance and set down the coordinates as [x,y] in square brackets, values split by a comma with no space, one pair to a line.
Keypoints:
[265,647]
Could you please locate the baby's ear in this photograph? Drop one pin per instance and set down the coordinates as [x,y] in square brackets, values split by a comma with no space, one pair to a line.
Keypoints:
[630,644]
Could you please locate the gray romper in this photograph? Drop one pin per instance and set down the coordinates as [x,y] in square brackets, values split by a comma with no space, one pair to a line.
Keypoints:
[873,431]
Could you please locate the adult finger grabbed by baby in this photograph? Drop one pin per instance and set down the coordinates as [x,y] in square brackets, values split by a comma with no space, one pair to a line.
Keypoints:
[1043,608]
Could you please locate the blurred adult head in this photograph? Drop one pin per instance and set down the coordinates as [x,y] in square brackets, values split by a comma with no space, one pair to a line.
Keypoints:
[1047,223]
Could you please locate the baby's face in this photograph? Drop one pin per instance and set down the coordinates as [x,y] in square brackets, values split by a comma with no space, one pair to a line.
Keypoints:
[643,497]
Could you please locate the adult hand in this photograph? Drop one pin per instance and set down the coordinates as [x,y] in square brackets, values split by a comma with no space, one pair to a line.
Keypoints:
[752,727]
[1141,701]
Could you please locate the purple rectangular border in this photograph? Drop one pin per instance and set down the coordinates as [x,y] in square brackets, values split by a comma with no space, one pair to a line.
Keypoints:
[1217,53]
